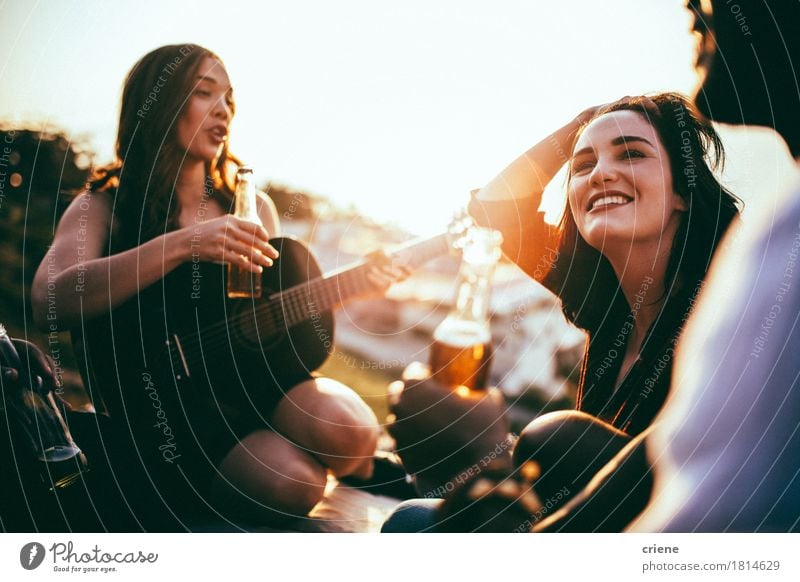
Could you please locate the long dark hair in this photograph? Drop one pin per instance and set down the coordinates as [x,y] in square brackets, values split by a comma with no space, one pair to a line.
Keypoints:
[584,278]
[148,156]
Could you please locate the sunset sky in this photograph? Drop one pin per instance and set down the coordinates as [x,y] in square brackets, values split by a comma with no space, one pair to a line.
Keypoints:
[397,107]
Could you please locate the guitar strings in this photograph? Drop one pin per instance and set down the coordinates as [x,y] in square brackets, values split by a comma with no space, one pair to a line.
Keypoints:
[292,301]
[289,303]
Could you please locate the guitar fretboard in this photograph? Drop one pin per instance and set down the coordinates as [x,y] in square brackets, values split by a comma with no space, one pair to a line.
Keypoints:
[305,301]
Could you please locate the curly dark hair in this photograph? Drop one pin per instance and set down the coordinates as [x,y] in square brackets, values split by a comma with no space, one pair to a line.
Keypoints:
[584,278]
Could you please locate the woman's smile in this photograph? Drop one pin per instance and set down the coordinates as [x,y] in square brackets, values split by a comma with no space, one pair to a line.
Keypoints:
[607,201]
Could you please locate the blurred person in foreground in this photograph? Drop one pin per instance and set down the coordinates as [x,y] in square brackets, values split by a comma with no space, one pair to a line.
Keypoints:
[724,449]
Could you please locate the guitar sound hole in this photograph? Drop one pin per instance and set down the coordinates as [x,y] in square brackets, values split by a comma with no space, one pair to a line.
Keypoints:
[249,333]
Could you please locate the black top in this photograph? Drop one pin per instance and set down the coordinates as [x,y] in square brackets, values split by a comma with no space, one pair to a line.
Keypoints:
[530,242]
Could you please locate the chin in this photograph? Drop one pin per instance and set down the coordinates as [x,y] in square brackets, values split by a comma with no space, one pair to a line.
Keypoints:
[207,155]
[602,238]
[607,229]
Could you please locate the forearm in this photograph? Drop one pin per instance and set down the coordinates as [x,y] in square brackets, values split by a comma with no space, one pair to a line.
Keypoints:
[88,289]
[529,174]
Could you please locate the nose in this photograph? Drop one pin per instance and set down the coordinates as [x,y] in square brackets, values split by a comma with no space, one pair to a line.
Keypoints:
[222,109]
[604,171]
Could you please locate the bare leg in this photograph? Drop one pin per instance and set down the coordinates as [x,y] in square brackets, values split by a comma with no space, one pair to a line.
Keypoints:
[265,477]
[331,422]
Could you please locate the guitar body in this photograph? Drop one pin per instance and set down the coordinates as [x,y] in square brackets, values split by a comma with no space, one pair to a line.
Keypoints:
[186,368]
[285,354]
[184,342]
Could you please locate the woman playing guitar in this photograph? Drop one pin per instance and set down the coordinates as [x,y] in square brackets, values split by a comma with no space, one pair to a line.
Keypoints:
[139,232]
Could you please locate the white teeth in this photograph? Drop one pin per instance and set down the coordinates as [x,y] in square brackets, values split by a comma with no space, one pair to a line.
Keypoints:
[607,200]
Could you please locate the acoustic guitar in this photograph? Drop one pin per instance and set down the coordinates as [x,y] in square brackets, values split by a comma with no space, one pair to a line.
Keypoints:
[184,341]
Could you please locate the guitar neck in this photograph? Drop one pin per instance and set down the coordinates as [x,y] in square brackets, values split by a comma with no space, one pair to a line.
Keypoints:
[305,301]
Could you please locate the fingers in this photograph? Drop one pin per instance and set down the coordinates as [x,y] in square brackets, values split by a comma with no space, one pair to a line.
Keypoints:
[41,364]
[236,258]
[253,256]
[379,279]
[10,374]
[256,235]
[394,392]
[416,372]
[383,276]
[246,244]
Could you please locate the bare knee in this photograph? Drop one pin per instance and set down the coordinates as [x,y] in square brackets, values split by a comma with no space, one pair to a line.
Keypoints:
[352,449]
[304,488]
[331,422]
[265,477]
[268,498]
[357,439]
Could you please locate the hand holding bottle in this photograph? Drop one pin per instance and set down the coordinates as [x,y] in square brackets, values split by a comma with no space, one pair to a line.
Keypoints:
[443,435]
[244,280]
[32,362]
[228,239]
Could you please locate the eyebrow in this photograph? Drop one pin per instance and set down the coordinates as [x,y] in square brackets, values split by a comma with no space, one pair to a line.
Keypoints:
[208,79]
[617,141]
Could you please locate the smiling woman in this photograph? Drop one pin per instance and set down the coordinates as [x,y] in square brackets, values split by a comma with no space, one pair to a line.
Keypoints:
[644,216]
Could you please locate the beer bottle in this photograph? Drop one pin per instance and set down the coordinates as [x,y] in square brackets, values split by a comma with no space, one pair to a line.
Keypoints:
[36,426]
[242,282]
[462,343]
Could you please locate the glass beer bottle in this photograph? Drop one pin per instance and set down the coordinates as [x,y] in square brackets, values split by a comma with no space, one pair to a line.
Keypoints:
[462,343]
[37,427]
[243,283]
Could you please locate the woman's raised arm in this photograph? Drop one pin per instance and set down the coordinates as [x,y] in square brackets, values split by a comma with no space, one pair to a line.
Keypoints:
[510,201]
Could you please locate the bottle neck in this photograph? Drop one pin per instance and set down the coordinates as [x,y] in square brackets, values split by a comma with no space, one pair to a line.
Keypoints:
[472,298]
[245,205]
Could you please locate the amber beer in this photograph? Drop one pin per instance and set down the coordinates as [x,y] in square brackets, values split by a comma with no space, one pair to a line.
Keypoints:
[244,283]
[462,343]
[461,356]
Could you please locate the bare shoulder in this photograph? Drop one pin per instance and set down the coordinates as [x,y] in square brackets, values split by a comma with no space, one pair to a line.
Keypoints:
[86,221]
[94,206]
[81,235]
[268,213]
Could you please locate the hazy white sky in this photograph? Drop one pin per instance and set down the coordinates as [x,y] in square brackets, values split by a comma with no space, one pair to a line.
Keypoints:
[398,107]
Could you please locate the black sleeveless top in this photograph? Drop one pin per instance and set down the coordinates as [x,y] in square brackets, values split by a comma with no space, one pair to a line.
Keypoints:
[139,383]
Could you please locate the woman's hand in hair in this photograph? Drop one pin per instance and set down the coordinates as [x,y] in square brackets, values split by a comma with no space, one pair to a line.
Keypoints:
[229,239]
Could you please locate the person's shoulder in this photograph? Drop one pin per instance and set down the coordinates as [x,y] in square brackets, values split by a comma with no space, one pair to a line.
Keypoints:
[267,212]
[88,203]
